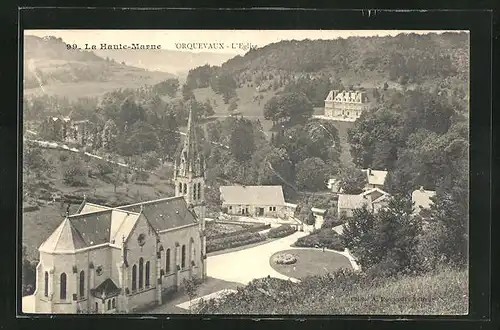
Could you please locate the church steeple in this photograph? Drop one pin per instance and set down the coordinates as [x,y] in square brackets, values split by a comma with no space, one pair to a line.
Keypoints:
[189,172]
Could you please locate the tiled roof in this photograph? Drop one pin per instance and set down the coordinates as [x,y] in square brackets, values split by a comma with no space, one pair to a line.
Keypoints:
[375,194]
[94,227]
[351,201]
[166,213]
[253,195]
[65,238]
[422,199]
[375,177]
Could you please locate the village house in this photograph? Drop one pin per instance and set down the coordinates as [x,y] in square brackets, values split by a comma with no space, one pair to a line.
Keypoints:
[374,199]
[421,199]
[346,105]
[257,201]
[375,178]
[118,260]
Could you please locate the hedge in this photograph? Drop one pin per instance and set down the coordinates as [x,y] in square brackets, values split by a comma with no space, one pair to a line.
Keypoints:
[327,238]
[252,229]
[228,242]
[281,231]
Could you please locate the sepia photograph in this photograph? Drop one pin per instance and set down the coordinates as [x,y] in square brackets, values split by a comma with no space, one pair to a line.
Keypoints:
[248,172]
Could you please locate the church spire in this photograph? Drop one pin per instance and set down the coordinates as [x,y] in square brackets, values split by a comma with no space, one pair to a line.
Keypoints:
[190,143]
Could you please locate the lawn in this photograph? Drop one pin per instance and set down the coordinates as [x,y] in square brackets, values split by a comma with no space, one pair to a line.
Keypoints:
[310,262]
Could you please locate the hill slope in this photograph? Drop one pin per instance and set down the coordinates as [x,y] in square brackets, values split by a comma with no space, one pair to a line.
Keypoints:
[49,67]
[176,62]
[444,292]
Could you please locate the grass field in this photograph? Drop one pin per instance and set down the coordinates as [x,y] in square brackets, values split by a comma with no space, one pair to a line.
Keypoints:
[125,79]
[310,262]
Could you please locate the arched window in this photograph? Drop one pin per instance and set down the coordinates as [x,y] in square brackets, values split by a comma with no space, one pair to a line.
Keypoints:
[191,250]
[82,284]
[183,257]
[134,278]
[194,191]
[147,274]
[62,286]
[113,303]
[199,190]
[185,189]
[109,304]
[46,288]
[180,188]
[96,307]
[167,261]
[141,273]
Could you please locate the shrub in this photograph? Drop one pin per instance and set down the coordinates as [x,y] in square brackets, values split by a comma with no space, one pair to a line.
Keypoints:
[322,238]
[75,174]
[233,241]
[281,231]
[285,259]
[63,157]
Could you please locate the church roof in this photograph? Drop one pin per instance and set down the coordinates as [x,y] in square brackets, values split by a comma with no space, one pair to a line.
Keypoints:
[253,195]
[96,224]
[165,213]
[106,289]
[65,238]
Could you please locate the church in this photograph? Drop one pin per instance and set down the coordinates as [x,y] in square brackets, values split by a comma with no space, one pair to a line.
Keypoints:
[124,259]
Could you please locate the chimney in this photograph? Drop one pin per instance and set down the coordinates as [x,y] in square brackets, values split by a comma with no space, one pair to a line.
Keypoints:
[422,188]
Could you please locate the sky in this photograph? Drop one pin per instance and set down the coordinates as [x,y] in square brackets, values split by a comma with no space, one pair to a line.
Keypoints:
[173,39]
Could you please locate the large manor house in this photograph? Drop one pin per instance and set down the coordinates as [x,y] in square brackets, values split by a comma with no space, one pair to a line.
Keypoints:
[122,259]
[346,105]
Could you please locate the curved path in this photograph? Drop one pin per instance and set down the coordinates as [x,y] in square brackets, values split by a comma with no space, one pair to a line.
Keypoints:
[245,265]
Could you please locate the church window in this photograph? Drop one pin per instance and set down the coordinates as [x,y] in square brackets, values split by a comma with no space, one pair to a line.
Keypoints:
[167,261]
[180,188]
[62,287]
[134,278]
[96,307]
[113,303]
[147,274]
[194,191]
[82,284]
[191,249]
[199,190]
[183,257]
[109,304]
[185,189]
[46,288]
[141,273]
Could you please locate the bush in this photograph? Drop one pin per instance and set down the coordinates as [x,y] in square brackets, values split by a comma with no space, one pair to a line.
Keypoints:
[281,231]
[63,157]
[323,238]
[233,241]
[331,222]
[285,259]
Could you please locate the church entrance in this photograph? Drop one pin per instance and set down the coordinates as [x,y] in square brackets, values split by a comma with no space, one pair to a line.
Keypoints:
[261,211]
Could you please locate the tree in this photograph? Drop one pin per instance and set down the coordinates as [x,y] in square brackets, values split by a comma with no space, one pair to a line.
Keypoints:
[241,142]
[130,113]
[28,273]
[167,87]
[142,138]
[168,135]
[33,160]
[74,173]
[288,108]
[311,174]
[306,215]
[352,180]
[187,93]
[191,287]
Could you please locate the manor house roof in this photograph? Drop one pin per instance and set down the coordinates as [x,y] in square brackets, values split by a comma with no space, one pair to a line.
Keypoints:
[253,195]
